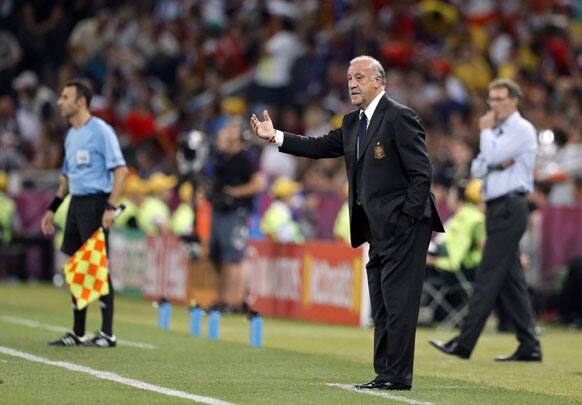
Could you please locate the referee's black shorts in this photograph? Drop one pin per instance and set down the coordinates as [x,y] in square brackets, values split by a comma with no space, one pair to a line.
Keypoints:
[83,219]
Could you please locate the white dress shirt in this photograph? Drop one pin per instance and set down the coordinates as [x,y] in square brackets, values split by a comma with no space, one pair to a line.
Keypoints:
[515,138]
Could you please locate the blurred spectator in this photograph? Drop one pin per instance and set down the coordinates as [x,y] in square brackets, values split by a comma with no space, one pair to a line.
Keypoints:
[9,224]
[48,154]
[278,223]
[462,152]
[577,191]
[11,157]
[308,73]
[228,55]
[437,17]
[235,181]
[15,242]
[60,220]
[315,121]
[9,219]
[472,69]
[134,195]
[455,255]
[36,105]
[147,159]
[44,33]
[90,37]
[140,123]
[571,295]
[273,74]
[341,227]
[154,213]
[567,165]
[273,165]
[461,247]
[9,11]
[183,216]
[10,56]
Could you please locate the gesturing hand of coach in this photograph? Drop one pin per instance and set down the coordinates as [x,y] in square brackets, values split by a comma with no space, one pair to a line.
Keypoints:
[263,129]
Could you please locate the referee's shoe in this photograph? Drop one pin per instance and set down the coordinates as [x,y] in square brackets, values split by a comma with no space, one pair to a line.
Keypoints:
[69,339]
[101,339]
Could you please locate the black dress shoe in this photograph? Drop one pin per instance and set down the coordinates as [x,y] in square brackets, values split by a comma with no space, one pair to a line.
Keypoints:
[382,385]
[520,355]
[451,347]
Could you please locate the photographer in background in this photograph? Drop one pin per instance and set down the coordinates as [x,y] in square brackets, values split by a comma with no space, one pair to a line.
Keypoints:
[235,181]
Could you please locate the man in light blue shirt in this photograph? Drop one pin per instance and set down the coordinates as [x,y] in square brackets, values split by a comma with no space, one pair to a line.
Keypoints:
[507,158]
[506,163]
[94,172]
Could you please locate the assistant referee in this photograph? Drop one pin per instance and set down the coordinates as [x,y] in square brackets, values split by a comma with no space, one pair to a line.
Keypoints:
[94,172]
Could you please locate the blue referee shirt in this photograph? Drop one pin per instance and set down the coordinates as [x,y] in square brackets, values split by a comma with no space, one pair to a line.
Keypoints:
[91,153]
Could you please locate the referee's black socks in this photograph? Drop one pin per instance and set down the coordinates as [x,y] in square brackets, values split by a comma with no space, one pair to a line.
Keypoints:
[80,316]
[107,313]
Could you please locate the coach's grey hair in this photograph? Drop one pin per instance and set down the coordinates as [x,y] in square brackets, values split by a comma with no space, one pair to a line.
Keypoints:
[379,70]
[513,89]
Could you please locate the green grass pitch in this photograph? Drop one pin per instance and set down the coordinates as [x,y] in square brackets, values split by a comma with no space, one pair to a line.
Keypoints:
[295,365]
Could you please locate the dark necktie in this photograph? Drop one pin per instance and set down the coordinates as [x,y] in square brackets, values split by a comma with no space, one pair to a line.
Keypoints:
[362,132]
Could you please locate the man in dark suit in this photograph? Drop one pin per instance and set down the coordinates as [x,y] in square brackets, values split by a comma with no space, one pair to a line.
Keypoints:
[391,207]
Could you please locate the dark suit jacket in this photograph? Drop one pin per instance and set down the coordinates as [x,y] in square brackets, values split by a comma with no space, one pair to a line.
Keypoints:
[391,177]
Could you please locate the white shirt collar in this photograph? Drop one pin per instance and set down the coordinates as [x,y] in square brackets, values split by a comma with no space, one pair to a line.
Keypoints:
[369,111]
[509,120]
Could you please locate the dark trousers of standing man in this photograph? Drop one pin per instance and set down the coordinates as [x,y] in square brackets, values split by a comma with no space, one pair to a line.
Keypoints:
[395,276]
[500,275]
[83,219]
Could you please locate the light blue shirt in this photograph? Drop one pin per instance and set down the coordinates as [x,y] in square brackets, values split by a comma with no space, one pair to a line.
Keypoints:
[91,153]
[514,138]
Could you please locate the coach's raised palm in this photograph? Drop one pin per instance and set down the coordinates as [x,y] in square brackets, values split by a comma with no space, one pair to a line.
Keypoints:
[263,129]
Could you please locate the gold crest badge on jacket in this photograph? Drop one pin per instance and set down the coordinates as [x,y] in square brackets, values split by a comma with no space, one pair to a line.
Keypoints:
[379,151]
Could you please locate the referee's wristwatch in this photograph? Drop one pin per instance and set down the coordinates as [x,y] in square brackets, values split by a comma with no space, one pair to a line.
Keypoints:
[110,207]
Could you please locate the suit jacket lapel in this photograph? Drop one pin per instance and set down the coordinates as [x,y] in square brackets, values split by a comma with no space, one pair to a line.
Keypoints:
[374,124]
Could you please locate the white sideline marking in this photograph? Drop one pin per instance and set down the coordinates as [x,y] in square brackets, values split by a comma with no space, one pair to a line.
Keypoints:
[378,393]
[53,328]
[106,375]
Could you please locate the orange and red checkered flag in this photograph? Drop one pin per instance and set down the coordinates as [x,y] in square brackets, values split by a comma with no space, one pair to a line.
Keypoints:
[86,271]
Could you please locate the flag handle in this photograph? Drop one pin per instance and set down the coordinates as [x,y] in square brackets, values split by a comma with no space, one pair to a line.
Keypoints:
[118,212]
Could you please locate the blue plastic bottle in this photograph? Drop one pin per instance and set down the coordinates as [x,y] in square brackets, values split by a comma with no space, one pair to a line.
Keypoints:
[214,325]
[196,314]
[164,314]
[256,331]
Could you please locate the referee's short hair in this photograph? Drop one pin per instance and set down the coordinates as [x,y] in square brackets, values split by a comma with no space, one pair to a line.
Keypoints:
[83,87]
[513,89]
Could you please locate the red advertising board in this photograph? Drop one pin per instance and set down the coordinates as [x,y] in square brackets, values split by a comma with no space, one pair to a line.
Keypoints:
[316,281]
[167,270]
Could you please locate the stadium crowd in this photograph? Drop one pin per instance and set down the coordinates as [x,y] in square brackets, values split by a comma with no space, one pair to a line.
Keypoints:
[162,68]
